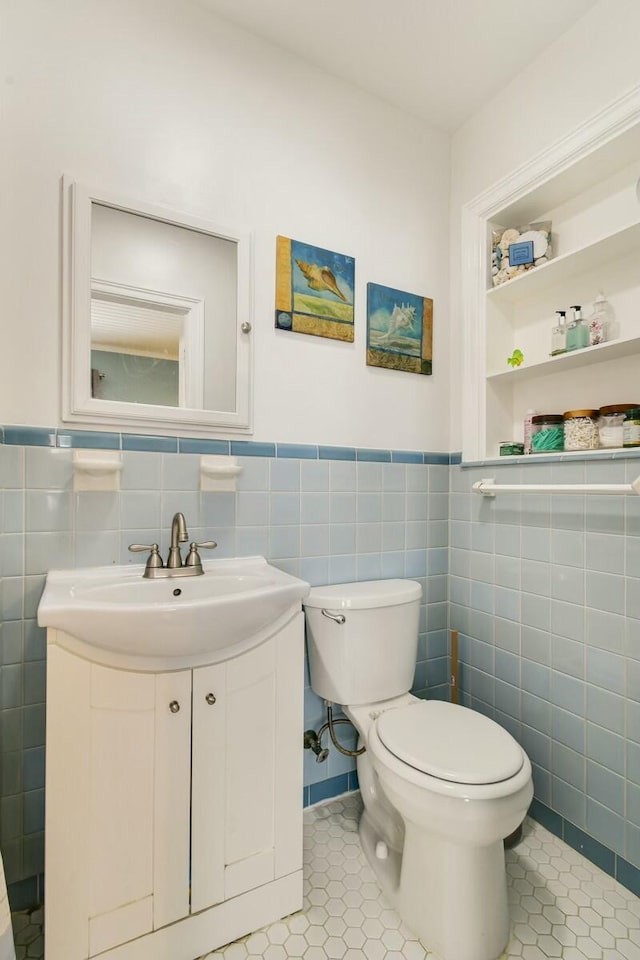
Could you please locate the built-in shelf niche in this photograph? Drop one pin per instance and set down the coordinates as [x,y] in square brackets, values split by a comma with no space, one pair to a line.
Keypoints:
[587,186]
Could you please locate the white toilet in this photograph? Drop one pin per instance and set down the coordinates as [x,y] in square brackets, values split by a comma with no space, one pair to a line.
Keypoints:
[442,785]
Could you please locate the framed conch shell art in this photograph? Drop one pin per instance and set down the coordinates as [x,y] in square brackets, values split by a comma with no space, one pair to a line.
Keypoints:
[314,290]
[399,330]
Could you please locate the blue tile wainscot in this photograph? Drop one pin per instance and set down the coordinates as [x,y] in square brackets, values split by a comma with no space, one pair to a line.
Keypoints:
[327,514]
[544,591]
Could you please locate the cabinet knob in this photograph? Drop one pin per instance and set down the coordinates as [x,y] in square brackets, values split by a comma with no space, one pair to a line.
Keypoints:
[210,698]
[174,706]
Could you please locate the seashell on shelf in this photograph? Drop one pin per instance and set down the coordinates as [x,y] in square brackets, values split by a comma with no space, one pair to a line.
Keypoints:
[508,237]
[540,241]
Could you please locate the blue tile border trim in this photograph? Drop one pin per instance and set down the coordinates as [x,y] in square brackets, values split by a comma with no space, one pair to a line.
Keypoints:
[90,439]
[373,456]
[608,861]
[51,437]
[437,458]
[103,440]
[251,448]
[193,445]
[336,453]
[29,436]
[327,789]
[591,849]
[628,875]
[132,441]
[297,451]
[407,456]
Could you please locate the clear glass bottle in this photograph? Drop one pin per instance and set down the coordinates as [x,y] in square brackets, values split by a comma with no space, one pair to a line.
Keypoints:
[577,331]
[559,334]
[527,430]
[602,323]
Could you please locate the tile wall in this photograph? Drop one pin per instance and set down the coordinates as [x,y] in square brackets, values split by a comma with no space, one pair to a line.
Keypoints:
[324,514]
[545,591]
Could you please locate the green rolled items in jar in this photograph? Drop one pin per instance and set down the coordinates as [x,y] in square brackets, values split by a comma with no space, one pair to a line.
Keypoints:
[548,441]
[547,433]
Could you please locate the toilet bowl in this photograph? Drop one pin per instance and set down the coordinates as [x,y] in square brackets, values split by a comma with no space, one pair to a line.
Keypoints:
[442,785]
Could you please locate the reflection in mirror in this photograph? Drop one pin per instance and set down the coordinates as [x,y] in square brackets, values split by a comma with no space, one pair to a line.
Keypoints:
[157,318]
[154,287]
[137,352]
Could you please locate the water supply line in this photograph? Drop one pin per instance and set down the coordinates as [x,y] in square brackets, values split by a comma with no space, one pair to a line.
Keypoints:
[313,741]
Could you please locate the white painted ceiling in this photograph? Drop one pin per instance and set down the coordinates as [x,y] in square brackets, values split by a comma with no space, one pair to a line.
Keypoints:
[438,59]
[128,327]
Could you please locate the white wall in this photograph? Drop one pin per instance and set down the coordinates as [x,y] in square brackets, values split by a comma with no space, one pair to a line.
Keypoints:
[584,70]
[160,100]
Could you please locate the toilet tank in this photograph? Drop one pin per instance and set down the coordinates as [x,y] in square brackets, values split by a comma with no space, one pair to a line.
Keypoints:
[371,656]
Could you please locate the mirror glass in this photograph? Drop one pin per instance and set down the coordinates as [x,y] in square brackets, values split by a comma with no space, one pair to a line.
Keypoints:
[159,317]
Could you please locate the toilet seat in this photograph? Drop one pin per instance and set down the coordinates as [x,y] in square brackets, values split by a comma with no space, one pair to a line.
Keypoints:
[449,742]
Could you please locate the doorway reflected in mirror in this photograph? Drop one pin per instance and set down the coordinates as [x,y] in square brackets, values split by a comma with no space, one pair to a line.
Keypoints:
[157,317]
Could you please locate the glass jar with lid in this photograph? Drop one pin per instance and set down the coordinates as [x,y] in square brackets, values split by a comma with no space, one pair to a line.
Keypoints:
[547,433]
[610,423]
[581,430]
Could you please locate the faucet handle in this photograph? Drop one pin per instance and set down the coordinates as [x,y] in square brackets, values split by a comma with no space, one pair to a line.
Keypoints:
[154,560]
[193,558]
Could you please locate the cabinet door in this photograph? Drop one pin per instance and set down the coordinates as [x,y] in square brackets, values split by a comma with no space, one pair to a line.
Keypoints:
[172,795]
[139,803]
[127,756]
[247,769]
[207,786]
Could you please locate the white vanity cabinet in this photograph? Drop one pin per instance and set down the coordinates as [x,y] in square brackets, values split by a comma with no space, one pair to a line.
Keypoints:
[174,801]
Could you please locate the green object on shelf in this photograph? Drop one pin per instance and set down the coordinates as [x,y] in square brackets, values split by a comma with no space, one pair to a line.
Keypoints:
[510,449]
[516,358]
[549,440]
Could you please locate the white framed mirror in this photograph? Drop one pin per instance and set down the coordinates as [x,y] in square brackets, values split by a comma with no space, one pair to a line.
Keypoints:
[156,317]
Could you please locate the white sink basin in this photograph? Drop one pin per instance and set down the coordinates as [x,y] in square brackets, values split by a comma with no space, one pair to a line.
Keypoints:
[115,616]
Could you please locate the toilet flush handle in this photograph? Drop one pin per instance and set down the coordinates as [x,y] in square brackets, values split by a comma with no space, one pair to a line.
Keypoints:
[338,617]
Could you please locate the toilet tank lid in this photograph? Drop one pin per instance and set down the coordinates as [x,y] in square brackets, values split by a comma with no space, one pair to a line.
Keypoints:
[364,595]
[450,742]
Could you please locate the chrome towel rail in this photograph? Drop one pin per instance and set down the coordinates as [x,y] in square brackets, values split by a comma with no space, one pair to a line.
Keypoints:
[489,488]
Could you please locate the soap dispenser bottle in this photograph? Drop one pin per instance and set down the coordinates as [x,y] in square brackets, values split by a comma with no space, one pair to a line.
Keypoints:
[602,321]
[559,334]
[577,331]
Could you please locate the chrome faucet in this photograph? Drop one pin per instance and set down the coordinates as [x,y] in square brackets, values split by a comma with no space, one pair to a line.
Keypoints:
[178,535]
[192,566]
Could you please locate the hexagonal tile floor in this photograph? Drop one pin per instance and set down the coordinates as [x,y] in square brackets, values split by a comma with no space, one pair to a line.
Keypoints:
[561,905]
[27,934]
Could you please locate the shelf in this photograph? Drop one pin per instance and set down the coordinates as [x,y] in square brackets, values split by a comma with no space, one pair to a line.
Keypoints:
[586,184]
[590,257]
[570,361]
[562,456]
[593,168]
